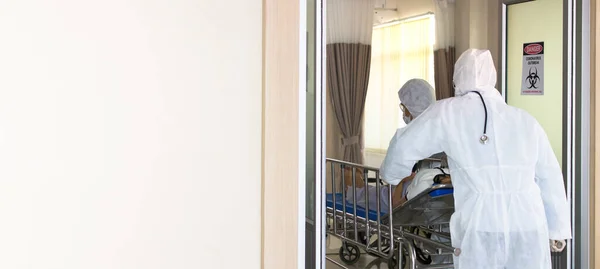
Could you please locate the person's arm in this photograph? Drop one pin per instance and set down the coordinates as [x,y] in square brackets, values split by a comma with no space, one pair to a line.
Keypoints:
[397,197]
[549,178]
[419,140]
[359,178]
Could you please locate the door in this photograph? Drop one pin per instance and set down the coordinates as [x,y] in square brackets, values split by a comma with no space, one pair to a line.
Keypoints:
[534,74]
[540,59]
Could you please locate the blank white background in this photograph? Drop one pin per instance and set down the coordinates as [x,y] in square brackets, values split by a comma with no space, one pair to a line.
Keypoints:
[130,134]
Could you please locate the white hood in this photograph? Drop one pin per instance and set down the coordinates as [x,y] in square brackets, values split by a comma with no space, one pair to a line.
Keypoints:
[474,71]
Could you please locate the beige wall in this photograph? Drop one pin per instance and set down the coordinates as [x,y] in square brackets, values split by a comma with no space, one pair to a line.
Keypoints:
[408,8]
[130,134]
[477,25]
[462,26]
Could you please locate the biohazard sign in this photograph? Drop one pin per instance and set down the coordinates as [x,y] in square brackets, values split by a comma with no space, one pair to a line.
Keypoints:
[532,82]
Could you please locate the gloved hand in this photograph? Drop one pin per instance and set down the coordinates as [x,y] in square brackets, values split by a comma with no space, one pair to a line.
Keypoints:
[557,245]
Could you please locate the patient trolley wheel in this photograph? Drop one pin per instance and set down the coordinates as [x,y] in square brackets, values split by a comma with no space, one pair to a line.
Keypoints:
[393,262]
[349,253]
[422,257]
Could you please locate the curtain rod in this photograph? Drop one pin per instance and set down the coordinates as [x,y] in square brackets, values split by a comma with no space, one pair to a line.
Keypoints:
[411,18]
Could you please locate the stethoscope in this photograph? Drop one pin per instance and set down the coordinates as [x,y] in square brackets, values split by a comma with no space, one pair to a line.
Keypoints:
[484,138]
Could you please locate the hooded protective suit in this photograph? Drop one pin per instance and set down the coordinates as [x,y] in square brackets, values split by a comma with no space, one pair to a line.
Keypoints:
[509,193]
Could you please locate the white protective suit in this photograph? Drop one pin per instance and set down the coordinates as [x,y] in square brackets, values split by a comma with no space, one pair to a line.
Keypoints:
[509,193]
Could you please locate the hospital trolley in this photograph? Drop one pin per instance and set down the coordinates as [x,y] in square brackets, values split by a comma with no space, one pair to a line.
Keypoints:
[408,236]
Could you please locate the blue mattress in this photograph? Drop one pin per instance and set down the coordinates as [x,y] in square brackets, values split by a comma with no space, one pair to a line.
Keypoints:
[441,192]
[361,212]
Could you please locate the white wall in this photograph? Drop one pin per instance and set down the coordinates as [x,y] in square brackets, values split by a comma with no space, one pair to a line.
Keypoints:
[121,124]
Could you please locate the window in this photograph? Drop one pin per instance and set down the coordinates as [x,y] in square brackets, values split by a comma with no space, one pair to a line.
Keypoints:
[400,51]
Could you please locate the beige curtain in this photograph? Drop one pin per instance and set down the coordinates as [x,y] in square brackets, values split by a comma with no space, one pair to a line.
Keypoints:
[349,30]
[400,52]
[347,79]
[444,69]
[445,54]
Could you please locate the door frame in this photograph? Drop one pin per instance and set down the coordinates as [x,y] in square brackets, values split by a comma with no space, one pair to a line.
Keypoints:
[595,120]
[321,135]
[581,78]
[582,191]
[319,224]
[283,134]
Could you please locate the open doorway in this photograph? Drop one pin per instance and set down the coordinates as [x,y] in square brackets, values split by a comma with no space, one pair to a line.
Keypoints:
[386,43]
[364,52]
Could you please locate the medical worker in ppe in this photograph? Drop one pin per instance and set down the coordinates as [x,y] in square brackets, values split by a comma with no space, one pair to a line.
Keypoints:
[508,188]
[416,95]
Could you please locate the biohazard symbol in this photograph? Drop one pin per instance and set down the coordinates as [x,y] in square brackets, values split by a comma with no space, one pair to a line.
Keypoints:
[533,78]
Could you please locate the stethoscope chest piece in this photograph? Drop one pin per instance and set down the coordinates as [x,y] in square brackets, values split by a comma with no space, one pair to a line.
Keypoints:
[484,139]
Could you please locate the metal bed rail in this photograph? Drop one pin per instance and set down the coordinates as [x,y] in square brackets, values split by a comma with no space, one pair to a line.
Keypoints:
[351,220]
[358,231]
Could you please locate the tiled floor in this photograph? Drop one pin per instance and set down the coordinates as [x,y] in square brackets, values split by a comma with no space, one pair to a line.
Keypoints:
[365,262]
